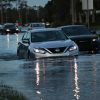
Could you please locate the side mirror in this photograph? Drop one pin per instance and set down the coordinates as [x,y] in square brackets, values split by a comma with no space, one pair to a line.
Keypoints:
[25,41]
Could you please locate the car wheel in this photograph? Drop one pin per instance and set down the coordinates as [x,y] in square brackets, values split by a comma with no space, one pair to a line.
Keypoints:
[19,54]
[27,55]
[31,55]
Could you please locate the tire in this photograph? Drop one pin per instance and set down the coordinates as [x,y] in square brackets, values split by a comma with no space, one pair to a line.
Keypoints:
[27,54]
[20,56]
[31,55]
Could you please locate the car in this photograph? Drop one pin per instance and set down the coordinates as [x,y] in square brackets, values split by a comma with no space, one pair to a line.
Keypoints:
[9,28]
[1,27]
[85,39]
[47,42]
[36,25]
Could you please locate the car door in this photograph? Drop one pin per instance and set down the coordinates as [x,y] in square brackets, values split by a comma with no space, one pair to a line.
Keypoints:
[23,45]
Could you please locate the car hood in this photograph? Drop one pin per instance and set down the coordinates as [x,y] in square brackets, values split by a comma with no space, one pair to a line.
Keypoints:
[78,37]
[10,28]
[51,44]
[37,27]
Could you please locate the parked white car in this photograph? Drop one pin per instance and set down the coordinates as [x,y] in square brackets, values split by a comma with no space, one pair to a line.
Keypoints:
[36,25]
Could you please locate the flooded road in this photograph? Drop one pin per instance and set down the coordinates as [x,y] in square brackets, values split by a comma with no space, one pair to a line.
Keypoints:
[52,78]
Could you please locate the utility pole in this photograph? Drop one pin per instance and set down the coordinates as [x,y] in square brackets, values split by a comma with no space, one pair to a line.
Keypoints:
[36,8]
[6,11]
[72,11]
[88,14]
[18,6]
[87,6]
[1,12]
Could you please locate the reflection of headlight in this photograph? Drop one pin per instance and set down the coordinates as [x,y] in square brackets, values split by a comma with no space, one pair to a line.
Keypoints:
[93,39]
[39,51]
[73,48]
[8,30]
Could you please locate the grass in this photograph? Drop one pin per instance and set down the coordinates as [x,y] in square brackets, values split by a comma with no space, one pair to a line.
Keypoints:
[8,93]
[97,27]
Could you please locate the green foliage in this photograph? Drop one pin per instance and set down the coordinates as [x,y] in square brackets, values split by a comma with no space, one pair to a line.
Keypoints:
[59,11]
[97,4]
[56,12]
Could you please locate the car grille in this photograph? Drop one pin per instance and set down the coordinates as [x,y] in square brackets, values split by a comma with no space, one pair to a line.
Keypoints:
[85,45]
[57,50]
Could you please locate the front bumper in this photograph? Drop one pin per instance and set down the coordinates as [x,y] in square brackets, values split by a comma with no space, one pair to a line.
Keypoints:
[88,46]
[46,55]
[11,31]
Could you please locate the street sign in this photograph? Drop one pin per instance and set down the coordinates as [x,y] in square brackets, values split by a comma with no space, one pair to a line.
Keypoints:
[87,4]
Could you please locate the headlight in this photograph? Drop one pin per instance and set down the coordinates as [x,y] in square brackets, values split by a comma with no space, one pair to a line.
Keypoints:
[72,48]
[93,40]
[8,30]
[39,51]
[17,29]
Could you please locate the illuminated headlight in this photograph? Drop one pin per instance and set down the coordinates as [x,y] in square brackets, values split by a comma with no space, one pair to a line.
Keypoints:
[8,30]
[17,29]
[39,51]
[93,39]
[72,48]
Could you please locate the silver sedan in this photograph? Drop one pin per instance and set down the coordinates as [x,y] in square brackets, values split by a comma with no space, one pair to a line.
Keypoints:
[47,42]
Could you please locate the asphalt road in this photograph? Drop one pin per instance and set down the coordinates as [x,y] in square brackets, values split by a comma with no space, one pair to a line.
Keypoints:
[46,79]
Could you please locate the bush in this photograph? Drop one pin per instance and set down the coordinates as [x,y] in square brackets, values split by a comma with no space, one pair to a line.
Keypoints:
[8,93]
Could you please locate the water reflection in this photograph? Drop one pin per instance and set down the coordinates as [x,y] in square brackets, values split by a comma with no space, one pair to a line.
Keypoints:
[52,78]
[10,38]
[76,79]
[37,69]
[8,41]
[46,79]
[17,38]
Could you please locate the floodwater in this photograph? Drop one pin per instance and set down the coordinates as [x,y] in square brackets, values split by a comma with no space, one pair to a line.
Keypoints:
[52,78]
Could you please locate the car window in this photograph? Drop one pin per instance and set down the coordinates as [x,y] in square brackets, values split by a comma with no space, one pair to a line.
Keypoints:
[9,26]
[47,36]
[71,31]
[26,36]
[37,25]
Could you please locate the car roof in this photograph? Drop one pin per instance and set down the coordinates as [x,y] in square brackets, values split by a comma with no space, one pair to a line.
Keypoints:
[71,26]
[37,23]
[44,29]
[9,24]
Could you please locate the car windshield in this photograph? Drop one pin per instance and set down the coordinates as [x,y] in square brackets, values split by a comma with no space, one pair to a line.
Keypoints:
[38,25]
[80,30]
[9,26]
[45,36]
